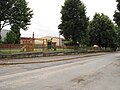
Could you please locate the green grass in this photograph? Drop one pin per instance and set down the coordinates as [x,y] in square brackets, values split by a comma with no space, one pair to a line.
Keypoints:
[12,51]
[15,51]
[52,50]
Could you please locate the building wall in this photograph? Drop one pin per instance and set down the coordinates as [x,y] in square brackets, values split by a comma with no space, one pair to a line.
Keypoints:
[40,41]
[43,40]
[26,40]
[59,41]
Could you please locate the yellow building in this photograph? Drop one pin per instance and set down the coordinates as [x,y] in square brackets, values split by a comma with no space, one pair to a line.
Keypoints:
[57,40]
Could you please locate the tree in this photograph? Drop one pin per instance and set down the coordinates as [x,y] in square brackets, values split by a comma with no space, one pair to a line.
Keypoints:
[15,13]
[117,30]
[10,38]
[117,14]
[117,21]
[102,31]
[74,21]
[16,30]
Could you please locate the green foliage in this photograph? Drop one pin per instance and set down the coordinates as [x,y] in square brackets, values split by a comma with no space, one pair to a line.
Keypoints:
[0,41]
[15,13]
[74,21]
[117,14]
[10,38]
[117,30]
[117,20]
[21,15]
[102,31]
[16,30]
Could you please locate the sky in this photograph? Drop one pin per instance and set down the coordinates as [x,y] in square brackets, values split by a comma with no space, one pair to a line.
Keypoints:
[47,15]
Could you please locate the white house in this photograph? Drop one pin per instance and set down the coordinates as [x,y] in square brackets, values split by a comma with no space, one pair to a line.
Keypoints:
[4,33]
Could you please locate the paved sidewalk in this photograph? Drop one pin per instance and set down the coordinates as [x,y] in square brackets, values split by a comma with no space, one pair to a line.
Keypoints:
[45,59]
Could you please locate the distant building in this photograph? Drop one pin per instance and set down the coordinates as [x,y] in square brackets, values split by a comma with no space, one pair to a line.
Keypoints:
[43,40]
[4,33]
[57,40]
[26,40]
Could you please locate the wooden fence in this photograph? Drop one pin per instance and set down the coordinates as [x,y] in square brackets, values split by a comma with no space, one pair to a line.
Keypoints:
[10,46]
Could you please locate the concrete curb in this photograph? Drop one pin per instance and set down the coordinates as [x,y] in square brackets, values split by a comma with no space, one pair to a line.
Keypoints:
[56,60]
[42,54]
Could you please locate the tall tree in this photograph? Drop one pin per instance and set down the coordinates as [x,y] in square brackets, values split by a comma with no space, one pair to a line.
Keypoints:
[117,21]
[15,13]
[117,13]
[117,30]
[102,31]
[74,21]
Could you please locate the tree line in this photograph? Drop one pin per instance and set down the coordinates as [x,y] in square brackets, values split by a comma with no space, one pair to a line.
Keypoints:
[75,26]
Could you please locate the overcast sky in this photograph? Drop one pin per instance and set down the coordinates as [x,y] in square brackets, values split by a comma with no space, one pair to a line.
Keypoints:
[47,15]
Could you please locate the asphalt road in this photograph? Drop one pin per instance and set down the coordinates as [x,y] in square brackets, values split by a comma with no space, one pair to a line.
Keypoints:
[89,73]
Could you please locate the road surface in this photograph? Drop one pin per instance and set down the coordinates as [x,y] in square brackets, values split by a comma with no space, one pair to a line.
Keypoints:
[89,73]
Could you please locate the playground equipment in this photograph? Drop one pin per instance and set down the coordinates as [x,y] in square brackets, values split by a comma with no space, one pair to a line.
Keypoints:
[30,43]
[28,47]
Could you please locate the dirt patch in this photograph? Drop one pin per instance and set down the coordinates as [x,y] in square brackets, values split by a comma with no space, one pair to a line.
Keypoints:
[117,64]
[86,79]
[78,80]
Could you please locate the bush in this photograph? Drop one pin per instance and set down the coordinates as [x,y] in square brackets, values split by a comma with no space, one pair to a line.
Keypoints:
[10,38]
